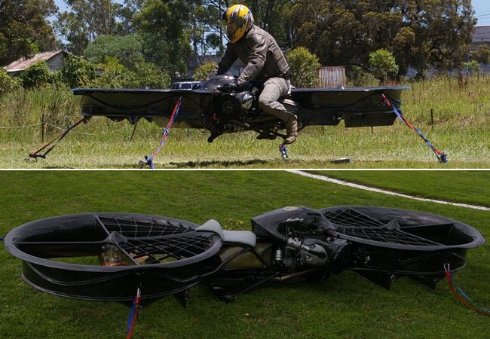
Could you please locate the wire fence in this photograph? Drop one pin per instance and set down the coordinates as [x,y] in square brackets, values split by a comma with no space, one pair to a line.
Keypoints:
[44,125]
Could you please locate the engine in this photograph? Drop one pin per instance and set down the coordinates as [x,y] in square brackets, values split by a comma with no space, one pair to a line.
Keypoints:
[234,105]
[230,105]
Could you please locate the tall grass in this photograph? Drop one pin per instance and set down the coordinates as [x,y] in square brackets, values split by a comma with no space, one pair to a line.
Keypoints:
[454,104]
[459,124]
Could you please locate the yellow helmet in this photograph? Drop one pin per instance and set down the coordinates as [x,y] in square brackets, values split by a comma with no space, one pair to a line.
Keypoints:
[238,20]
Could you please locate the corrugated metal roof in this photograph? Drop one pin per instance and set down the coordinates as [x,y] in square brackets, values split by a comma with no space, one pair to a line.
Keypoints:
[482,34]
[22,64]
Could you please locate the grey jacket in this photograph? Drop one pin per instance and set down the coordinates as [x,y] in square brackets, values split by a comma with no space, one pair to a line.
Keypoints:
[261,54]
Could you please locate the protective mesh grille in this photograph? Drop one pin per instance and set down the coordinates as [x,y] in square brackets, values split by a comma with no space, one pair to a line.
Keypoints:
[155,241]
[356,224]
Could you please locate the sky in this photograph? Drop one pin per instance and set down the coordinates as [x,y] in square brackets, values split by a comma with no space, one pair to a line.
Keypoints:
[481,8]
[482,11]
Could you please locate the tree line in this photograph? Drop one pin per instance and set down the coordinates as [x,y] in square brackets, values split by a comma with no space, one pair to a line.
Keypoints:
[163,34]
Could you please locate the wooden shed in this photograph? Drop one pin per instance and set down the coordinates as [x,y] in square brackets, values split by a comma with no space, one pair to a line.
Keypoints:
[332,76]
[54,59]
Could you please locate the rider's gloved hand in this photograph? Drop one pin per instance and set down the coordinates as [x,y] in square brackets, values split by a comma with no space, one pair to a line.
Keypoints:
[228,88]
[240,87]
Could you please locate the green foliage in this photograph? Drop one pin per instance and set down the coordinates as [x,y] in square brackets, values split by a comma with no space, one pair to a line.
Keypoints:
[7,83]
[358,76]
[204,71]
[304,67]
[482,54]
[85,20]
[162,26]
[24,28]
[383,64]
[116,75]
[420,33]
[148,75]
[38,75]
[127,49]
[460,128]
[471,67]
[77,72]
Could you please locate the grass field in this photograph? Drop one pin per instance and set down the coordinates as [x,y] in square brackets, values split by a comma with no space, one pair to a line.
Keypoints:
[460,128]
[469,187]
[345,305]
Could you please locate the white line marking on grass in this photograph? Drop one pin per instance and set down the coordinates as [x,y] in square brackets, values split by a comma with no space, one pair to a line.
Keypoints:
[382,191]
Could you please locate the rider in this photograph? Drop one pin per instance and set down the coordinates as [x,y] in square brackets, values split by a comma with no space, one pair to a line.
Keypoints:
[264,61]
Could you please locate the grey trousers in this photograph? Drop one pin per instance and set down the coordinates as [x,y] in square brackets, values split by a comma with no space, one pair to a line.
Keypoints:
[275,88]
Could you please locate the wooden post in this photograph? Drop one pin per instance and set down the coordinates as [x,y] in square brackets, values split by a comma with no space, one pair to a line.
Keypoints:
[43,127]
[432,116]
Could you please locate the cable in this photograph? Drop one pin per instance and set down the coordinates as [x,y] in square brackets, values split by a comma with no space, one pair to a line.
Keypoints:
[441,156]
[133,314]
[461,295]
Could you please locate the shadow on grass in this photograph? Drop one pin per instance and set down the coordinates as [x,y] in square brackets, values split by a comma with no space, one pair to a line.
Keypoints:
[217,163]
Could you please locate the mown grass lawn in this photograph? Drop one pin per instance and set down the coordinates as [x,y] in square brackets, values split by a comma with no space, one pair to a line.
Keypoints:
[345,305]
[469,187]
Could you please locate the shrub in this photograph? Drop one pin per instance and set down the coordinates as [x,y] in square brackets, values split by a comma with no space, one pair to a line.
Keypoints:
[36,76]
[205,71]
[471,67]
[77,72]
[148,75]
[116,75]
[7,83]
[304,67]
[383,64]
[359,77]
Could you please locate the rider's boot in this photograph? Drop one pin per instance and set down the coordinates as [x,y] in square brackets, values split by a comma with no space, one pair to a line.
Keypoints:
[291,130]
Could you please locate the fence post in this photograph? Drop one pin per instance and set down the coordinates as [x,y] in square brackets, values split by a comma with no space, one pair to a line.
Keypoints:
[432,116]
[43,127]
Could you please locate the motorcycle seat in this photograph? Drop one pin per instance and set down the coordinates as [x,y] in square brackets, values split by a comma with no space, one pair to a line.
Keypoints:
[246,238]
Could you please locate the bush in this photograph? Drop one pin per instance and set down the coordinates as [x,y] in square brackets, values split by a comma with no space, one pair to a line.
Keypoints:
[148,75]
[37,75]
[7,83]
[383,64]
[205,71]
[360,77]
[77,72]
[471,67]
[304,67]
[116,75]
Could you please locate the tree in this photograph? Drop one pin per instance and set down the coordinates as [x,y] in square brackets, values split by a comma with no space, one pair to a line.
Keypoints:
[162,27]
[304,67]
[127,49]
[85,20]
[442,31]
[24,29]
[126,15]
[421,33]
